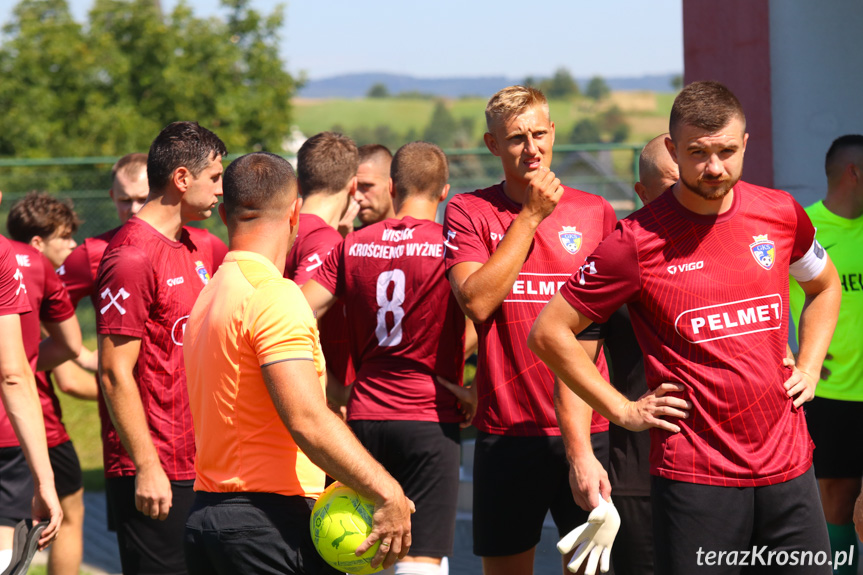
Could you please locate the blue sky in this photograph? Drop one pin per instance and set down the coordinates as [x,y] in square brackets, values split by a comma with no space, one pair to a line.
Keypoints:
[449,38]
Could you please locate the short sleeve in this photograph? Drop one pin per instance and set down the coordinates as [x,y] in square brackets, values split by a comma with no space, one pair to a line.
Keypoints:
[609,218]
[13,291]
[804,234]
[56,306]
[608,279]
[125,290]
[281,326]
[462,241]
[77,275]
[329,272]
[312,251]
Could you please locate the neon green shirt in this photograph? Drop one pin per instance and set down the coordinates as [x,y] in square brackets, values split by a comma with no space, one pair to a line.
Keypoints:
[843,240]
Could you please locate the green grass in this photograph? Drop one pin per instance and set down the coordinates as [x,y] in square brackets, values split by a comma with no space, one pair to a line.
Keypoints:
[402,114]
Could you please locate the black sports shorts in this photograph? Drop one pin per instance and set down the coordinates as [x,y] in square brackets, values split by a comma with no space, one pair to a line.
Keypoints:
[693,524]
[16,487]
[148,546]
[516,482]
[67,469]
[260,533]
[836,428]
[423,456]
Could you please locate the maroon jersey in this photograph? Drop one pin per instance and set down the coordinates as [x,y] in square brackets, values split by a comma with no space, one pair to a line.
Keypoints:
[515,389]
[314,241]
[405,324]
[78,272]
[13,300]
[50,302]
[13,290]
[145,288]
[708,298]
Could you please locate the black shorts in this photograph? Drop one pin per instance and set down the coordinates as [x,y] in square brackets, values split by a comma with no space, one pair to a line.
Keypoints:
[67,469]
[516,481]
[228,533]
[16,487]
[632,553]
[423,456]
[690,521]
[148,546]
[836,428]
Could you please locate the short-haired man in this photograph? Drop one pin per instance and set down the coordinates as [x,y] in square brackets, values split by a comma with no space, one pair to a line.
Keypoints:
[327,180]
[509,247]
[834,414]
[407,338]
[704,270]
[33,218]
[129,186]
[150,275]
[255,375]
[21,402]
[46,223]
[628,465]
[373,184]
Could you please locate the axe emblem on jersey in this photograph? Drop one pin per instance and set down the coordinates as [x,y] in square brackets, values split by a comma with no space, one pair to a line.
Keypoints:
[106,294]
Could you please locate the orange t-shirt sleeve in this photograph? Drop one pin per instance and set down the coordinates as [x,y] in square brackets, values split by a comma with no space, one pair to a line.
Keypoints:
[283,327]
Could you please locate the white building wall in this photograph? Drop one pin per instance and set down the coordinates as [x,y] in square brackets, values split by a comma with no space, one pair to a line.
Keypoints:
[816,52]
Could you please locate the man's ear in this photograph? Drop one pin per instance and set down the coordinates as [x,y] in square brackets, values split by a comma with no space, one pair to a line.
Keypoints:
[223,214]
[641,191]
[392,189]
[38,243]
[672,151]
[294,211]
[181,178]
[443,194]
[491,143]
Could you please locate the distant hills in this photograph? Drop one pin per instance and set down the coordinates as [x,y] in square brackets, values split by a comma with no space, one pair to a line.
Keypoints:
[357,85]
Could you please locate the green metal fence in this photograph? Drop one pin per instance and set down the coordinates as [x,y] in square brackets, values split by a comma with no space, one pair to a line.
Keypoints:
[609,170]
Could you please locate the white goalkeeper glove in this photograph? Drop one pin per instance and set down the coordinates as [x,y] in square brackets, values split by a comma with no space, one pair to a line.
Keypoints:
[593,539]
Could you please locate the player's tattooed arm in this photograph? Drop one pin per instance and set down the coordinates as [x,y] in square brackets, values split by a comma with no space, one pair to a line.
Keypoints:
[817,322]
[329,443]
[552,338]
[118,355]
[480,288]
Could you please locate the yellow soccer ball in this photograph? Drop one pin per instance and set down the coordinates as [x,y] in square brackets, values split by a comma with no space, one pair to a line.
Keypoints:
[341,521]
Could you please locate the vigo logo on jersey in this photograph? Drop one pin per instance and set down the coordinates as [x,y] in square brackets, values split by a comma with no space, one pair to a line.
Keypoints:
[570,239]
[730,319]
[178,331]
[764,251]
[686,267]
[535,287]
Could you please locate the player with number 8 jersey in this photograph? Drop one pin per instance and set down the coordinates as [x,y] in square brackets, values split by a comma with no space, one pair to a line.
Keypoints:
[407,345]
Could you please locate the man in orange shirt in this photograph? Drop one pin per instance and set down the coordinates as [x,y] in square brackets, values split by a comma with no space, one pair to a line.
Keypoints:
[263,432]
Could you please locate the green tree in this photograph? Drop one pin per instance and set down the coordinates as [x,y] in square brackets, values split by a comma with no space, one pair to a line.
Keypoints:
[108,88]
[677,82]
[585,131]
[378,90]
[442,128]
[597,89]
[561,85]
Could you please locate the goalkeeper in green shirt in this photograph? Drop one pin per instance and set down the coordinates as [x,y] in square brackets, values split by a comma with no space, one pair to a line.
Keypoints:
[835,415]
